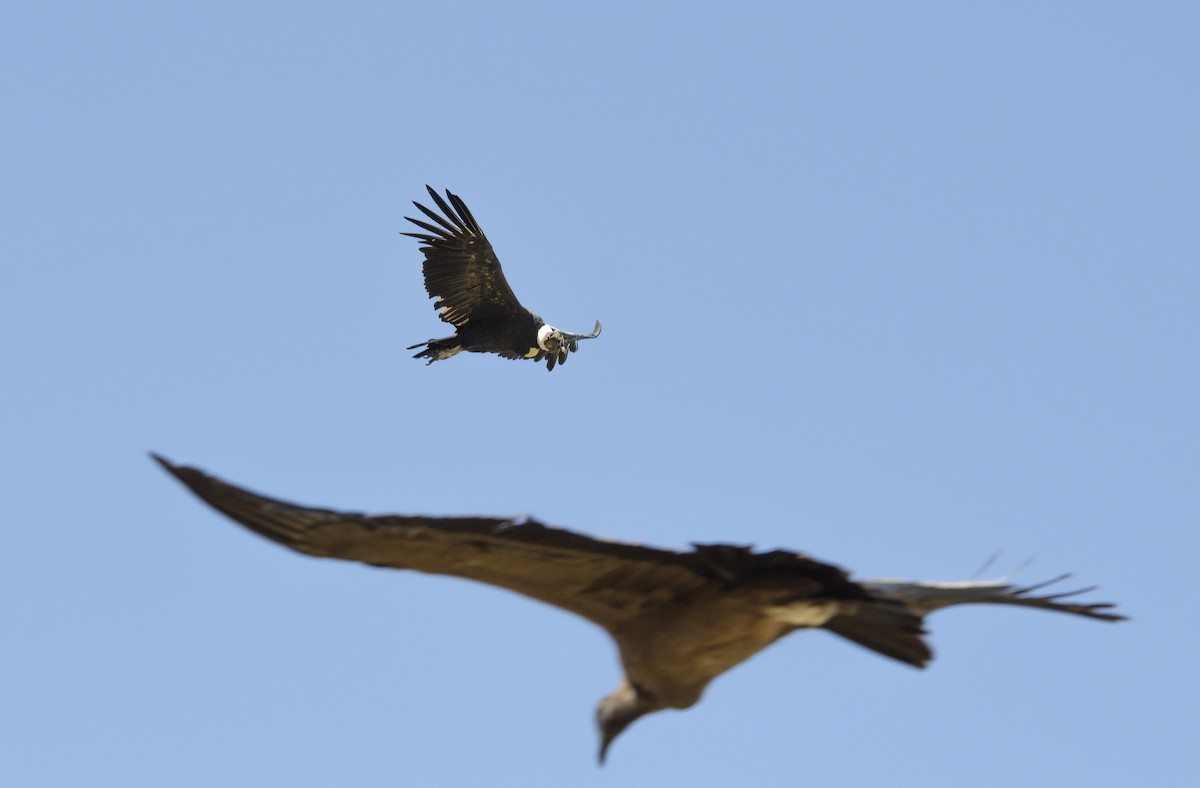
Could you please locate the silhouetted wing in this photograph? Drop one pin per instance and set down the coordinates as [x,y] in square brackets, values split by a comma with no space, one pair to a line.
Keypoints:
[870,625]
[461,270]
[923,598]
[604,581]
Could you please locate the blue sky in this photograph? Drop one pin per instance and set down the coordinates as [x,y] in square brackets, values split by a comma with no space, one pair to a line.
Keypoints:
[897,285]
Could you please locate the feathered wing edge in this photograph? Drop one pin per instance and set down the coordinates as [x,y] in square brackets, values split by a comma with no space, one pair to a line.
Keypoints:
[925,597]
[602,580]
[463,273]
[887,615]
[461,269]
[876,627]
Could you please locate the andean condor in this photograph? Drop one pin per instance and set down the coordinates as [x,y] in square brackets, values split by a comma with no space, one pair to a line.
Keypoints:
[679,619]
[464,275]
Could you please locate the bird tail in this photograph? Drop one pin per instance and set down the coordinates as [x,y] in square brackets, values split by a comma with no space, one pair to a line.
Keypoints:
[887,628]
[437,349]
[891,623]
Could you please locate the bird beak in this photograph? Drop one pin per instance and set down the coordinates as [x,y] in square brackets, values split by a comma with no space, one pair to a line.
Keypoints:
[607,740]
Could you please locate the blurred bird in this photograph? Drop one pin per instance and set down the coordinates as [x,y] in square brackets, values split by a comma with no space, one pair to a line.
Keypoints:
[680,619]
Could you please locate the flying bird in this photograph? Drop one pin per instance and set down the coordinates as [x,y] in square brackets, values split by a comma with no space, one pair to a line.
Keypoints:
[463,273]
[680,619]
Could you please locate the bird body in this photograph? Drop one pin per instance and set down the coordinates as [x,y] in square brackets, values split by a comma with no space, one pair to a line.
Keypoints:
[679,619]
[507,337]
[661,654]
[463,273]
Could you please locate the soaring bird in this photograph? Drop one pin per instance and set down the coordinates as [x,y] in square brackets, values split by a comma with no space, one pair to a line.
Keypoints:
[463,274]
[680,619]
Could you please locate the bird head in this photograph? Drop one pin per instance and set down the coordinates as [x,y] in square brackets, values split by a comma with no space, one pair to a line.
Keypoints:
[549,339]
[617,711]
[556,345]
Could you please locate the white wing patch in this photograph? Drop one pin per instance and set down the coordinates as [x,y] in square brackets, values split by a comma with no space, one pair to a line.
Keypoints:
[805,614]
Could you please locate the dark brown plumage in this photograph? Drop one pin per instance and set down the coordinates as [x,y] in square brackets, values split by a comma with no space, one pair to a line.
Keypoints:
[680,619]
[463,273]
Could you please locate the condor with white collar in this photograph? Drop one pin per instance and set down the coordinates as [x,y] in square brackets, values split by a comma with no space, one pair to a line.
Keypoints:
[463,273]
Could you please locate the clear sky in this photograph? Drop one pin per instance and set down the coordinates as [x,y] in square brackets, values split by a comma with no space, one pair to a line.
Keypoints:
[897,285]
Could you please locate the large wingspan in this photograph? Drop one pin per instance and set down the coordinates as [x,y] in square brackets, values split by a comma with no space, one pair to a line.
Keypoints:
[461,269]
[604,581]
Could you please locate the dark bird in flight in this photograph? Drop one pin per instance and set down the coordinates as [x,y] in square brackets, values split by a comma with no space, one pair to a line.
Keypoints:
[463,274]
[679,619]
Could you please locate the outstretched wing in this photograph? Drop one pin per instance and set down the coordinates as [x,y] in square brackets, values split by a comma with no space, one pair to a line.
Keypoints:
[923,598]
[606,582]
[868,626]
[461,270]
